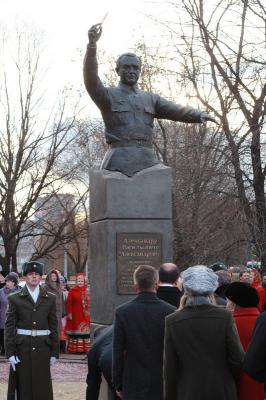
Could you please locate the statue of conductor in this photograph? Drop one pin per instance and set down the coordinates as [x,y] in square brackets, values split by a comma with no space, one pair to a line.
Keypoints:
[128,112]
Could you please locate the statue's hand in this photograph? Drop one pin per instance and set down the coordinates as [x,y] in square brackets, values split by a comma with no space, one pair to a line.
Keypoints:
[94,34]
[207,117]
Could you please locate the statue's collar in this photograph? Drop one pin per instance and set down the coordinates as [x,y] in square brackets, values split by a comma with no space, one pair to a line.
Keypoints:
[128,88]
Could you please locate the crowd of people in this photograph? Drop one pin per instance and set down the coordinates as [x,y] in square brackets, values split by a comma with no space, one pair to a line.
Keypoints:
[198,335]
[35,316]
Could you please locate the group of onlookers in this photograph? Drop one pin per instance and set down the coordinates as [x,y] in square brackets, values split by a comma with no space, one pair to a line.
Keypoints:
[72,304]
[199,335]
[253,277]
[210,343]
[33,325]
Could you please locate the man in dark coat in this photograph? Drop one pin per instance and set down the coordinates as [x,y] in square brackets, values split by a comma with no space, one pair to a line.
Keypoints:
[168,290]
[100,364]
[255,359]
[138,340]
[31,338]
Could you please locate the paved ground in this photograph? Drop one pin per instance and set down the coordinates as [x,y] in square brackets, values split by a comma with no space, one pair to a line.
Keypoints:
[69,377]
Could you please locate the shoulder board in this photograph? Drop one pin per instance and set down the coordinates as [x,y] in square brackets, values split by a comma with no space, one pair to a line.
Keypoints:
[50,294]
[14,293]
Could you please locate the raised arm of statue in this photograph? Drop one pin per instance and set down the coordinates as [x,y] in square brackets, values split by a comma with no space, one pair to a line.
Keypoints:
[92,81]
[94,34]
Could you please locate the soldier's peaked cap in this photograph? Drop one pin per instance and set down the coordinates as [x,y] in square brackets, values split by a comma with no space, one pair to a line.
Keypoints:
[32,266]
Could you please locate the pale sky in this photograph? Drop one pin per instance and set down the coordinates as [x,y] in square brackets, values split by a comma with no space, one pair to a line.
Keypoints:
[66,23]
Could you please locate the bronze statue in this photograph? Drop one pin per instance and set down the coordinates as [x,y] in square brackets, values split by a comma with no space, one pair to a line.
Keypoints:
[129,112]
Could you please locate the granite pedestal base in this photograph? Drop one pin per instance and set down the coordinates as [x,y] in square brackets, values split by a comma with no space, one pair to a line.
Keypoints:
[131,224]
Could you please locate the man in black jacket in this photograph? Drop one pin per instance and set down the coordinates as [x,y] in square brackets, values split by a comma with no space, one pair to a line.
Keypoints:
[138,340]
[168,290]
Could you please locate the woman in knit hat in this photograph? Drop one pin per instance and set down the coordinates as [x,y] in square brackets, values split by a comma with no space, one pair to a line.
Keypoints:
[243,301]
[203,354]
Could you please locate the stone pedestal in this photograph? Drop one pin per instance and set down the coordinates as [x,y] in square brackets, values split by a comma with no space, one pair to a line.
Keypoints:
[131,224]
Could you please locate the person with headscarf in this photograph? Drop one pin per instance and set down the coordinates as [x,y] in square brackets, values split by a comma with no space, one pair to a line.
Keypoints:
[52,284]
[11,286]
[255,281]
[243,302]
[78,312]
[203,354]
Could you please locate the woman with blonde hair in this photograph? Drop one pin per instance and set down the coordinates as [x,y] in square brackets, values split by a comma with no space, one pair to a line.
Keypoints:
[78,315]
[203,354]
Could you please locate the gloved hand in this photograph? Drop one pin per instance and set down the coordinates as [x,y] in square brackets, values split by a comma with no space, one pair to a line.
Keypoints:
[52,360]
[13,360]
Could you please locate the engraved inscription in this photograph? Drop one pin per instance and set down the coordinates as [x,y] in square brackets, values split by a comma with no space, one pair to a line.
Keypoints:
[134,249]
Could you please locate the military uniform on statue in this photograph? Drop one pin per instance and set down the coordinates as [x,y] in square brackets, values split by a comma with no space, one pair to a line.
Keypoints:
[78,316]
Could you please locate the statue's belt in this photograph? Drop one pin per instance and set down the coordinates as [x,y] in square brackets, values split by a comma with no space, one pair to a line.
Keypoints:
[131,143]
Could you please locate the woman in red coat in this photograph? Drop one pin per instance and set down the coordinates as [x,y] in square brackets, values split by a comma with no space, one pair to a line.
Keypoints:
[256,283]
[78,314]
[243,302]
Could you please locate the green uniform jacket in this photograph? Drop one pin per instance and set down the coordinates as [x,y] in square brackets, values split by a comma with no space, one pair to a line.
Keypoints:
[32,377]
[203,354]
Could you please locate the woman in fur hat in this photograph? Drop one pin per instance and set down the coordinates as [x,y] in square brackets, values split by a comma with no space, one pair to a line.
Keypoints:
[243,301]
[203,354]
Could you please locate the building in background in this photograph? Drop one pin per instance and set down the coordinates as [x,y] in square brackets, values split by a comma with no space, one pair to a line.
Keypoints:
[53,219]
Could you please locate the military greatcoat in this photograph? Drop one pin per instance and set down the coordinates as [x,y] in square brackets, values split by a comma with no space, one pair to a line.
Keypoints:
[32,377]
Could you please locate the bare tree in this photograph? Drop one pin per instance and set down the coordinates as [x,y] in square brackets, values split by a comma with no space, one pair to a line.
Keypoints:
[62,227]
[207,219]
[222,48]
[31,143]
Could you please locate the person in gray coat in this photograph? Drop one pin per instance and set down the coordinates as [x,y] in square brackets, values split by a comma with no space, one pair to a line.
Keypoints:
[11,286]
[203,354]
[138,340]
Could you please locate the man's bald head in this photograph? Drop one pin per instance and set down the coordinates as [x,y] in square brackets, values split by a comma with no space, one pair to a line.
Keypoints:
[168,273]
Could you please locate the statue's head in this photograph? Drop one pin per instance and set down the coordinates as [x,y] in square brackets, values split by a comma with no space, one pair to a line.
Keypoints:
[128,67]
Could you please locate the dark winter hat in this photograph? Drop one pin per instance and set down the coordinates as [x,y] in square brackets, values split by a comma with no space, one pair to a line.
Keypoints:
[218,266]
[32,266]
[242,294]
[12,276]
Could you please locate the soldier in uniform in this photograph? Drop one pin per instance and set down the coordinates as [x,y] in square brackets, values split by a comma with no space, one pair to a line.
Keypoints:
[31,338]
[129,112]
